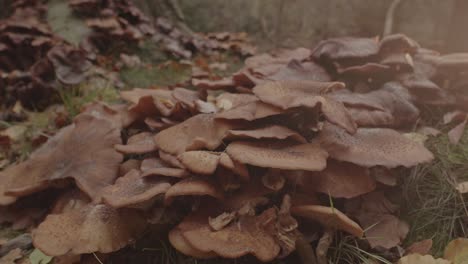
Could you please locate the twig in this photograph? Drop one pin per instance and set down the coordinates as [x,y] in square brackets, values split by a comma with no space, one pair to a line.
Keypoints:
[389,17]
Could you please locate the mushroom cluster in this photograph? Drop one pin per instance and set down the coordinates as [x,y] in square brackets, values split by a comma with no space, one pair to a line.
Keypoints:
[33,59]
[299,141]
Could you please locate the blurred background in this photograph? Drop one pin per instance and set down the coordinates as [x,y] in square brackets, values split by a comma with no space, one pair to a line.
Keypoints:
[437,24]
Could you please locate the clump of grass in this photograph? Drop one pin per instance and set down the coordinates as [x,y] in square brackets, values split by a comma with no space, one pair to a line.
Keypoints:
[145,77]
[347,250]
[74,98]
[433,207]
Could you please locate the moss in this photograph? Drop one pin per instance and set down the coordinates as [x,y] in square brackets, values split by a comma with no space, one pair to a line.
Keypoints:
[144,77]
[433,207]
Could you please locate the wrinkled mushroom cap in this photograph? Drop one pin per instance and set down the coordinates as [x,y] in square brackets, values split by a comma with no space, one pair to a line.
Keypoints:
[93,228]
[133,189]
[279,155]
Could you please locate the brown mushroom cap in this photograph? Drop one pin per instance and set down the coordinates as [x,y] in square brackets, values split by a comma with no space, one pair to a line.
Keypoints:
[291,94]
[93,228]
[329,217]
[178,241]
[133,189]
[339,179]
[267,132]
[193,186]
[279,155]
[250,235]
[138,144]
[198,132]
[372,147]
[200,162]
[83,151]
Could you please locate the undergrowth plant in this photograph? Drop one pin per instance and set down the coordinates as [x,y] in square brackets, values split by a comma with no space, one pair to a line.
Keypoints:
[433,207]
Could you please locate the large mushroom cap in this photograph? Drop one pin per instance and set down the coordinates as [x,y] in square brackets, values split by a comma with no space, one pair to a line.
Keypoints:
[200,131]
[339,179]
[372,147]
[329,217]
[133,189]
[178,241]
[250,235]
[92,228]
[291,94]
[279,155]
[83,151]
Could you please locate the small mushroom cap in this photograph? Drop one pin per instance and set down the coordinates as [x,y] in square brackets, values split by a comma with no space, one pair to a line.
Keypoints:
[92,228]
[200,162]
[279,155]
[132,189]
[195,186]
[198,132]
[138,144]
[329,217]
[250,235]
[180,243]
[267,132]
[82,151]
[373,147]
[156,166]
[291,94]
[129,165]
[339,179]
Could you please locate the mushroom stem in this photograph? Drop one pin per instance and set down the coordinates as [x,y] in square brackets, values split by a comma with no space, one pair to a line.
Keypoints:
[305,251]
[323,246]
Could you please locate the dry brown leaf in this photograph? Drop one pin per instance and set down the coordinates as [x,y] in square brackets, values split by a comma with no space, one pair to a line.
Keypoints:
[422,247]
[420,259]
[457,251]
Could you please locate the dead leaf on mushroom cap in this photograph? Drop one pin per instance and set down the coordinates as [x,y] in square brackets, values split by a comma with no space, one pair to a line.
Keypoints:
[339,179]
[133,189]
[420,259]
[199,161]
[138,144]
[250,235]
[105,229]
[198,132]
[194,186]
[279,155]
[370,147]
[267,132]
[329,217]
[93,165]
[291,94]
